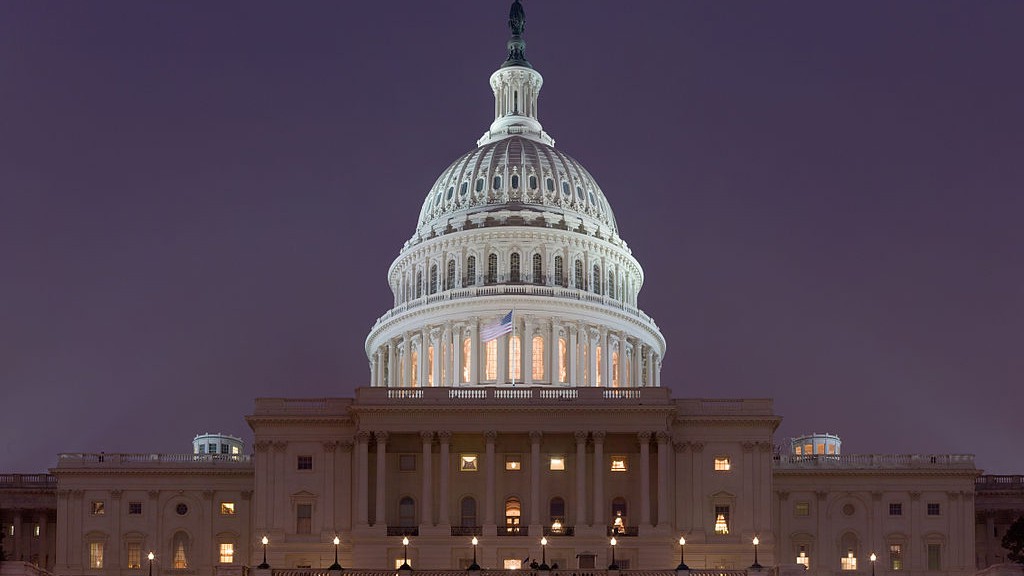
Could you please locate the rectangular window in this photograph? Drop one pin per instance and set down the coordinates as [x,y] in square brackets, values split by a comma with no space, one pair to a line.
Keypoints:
[722,463]
[467,463]
[512,564]
[135,507]
[134,555]
[848,562]
[227,553]
[400,560]
[227,508]
[557,463]
[225,449]
[618,464]
[935,557]
[491,360]
[98,508]
[588,561]
[895,556]
[934,509]
[802,509]
[803,559]
[721,519]
[304,463]
[513,463]
[406,462]
[304,519]
[96,555]
[895,509]
[35,530]
[514,358]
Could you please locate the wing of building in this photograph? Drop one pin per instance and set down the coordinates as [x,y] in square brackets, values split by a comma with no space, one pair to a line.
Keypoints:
[515,397]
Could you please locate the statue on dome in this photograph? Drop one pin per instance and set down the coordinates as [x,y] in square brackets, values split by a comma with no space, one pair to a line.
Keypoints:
[516,18]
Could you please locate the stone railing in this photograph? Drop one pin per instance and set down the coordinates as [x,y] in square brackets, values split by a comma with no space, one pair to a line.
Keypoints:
[302,405]
[873,461]
[28,481]
[999,482]
[532,395]
[724,406]
[118,458]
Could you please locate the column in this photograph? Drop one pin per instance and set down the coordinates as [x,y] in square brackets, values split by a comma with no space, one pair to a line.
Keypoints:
[456,355]
[623,359]
[393,377]
[444,465]
[330,521]
[382,440]
[407,361]
[592,366]
[599,507]
[489,437]
[635,374]
[749,520]
[573,353]
[606,359]
[527,351]
[581,478]
[437,361]
[44,547]
[663,495]
[682,523]
[423,364]
[697,496]
[18,554]
[553,353]
[650,366]
[645,477]
[362,477]
[657,371]
[426,500]
[474,352]
[535,477]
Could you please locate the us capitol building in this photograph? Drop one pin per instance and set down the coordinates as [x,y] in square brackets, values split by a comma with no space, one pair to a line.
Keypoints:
[515,396]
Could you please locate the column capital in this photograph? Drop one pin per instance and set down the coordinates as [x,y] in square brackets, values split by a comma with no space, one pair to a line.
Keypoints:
[381,436]
[535,436]
[598,436]
[444,436]
[116,494]
[261,446]
[280,445]
[915,495]
[581,436]
[643,437]
[427,436]
[345,446]
[783,495]
[490,436]
[681,447]
[363,436]
[330,446]
[663,437]
[748,447]
[697,446]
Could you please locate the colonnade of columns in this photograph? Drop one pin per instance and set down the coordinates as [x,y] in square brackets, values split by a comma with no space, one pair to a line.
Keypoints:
[30,539]
[549,352]
[596,464]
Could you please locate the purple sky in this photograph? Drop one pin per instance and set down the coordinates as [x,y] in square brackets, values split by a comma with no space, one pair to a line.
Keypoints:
[199,202]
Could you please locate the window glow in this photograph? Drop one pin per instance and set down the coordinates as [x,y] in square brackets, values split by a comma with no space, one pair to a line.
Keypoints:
[227,508]
[848,562]
[514,358]
[615,370]
[896,557]
[557,463]
[227,553]
[513,463]
[415,368]
[512,564]
[803,559]
[134,555]
[618,464]
[467,463]
[96,554]
[721,519]
[98,508]
[722,463]
[491,360]
[465,360]
[538,358]
[180,557]
[562,368]
[802,509]
[597,357]
[430,366]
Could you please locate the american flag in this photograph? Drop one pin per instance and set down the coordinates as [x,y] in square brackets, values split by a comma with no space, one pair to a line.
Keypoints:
[492,331]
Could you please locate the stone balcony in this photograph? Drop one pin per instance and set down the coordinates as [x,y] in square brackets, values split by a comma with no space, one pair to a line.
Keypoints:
[874,462]
[35,481]
[153,460]
[527,395]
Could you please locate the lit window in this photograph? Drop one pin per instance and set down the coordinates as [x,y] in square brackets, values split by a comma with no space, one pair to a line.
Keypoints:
[491,360]
[514,358]
[180,548]
[96,554]
[400,561]
[415,368]
[802,558]
[895,509]
[227,553]
[466,347]
[430,366]
[513,463]
[304,463]
[597,356]
[135,507]
[848,562]
[538,358]
[467,463]
[802,509]
[896,556]
[615,370]
[722,463]
[808,449]
[618,464]
[721,519]
[512,564]
[934,556]
[98,508]
[563,375]
[934,509]
[35,530]
[798,450]
[406,462]
[304,519]
[227,508]
[134,555]
[557,463]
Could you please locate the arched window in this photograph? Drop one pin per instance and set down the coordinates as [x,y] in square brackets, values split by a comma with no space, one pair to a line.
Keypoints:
[497,182]
[466,347]
[619,516]
[513,512]
[562,367]
[468,509]
[513,275]
[479,184]
[559,272]
[406,512]
[419,283]
[433,279]
[415,368]
[557,509]
[611,285]
[471,271]
[492,268]
[515,181]
[514,358]
[491,360]
[180,546]
[430,365]
[538,269]
[533,182]
[538,358]
[450,277]
[579,275]
[615,370]
[597,372]
[597,280]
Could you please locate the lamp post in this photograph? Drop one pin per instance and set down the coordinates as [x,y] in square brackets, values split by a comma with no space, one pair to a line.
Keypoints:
[150,556]
[756,566]
[405,554]
[873,558]
[474,566]
[613,565]
[336,566]
[682,563]
[543,554]
[264,565]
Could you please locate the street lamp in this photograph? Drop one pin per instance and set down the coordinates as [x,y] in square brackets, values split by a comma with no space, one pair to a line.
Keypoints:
[756,566]
[682,564]
[543,554]
[150,556]
[405,554]
[336,566]
[474,565]
[613,565]
[873,558]
[264,566]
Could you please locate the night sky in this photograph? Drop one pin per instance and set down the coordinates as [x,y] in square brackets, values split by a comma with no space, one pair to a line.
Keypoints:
[199,202]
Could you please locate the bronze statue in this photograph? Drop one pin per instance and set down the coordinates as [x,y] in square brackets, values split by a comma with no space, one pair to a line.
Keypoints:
[516,18]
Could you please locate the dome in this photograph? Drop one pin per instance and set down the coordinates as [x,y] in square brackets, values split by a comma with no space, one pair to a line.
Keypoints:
[517,180]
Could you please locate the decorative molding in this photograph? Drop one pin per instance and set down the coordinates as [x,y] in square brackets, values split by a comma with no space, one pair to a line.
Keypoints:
[444,436]
[362,436]
[681,447]
[381,436]
[427,436]
[748,447]
[280,445]
[330,446]
[643,437]
[598,436]
[663,436]
[491,435]
[697,446]
[581,436]
[116,494]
